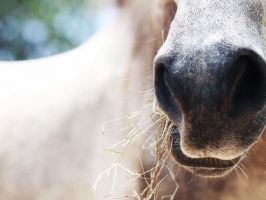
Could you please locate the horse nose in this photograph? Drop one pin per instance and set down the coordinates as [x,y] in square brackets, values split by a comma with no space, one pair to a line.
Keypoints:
[247,90]
[235,83]
[165,94]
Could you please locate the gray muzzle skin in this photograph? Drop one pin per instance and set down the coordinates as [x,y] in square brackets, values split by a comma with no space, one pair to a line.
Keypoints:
[210,80]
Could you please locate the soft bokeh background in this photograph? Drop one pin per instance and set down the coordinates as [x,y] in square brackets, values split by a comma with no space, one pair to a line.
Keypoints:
[39,28]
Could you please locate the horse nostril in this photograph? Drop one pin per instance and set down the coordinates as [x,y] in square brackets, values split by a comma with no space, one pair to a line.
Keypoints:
[249,87]
[165,96]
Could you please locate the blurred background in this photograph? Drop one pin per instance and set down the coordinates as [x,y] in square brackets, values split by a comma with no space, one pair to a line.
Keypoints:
[38,28]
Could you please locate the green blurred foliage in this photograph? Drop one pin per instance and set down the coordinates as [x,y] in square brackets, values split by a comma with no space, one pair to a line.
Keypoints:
[38,28]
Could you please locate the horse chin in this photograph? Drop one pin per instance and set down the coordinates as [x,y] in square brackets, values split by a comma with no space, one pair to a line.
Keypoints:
[205,167]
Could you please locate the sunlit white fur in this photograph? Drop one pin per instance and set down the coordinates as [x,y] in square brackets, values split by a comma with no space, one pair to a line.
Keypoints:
[52,113]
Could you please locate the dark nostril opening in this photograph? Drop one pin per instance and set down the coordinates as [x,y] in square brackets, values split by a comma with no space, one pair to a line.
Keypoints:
[164,94]
[249,88]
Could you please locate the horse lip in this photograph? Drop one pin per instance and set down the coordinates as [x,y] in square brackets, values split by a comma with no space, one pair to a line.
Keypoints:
[207,163]
[204,164]
[209,172]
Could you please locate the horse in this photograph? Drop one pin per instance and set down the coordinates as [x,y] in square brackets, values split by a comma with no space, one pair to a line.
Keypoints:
[87,125]
[52,115]
[205,61]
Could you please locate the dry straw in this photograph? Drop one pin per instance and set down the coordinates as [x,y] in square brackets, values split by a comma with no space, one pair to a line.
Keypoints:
[157,138]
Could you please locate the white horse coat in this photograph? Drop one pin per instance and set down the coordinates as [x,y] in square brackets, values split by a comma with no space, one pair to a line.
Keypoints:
[51,119]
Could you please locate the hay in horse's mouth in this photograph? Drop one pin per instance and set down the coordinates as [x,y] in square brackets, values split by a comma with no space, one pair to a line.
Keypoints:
[202,166]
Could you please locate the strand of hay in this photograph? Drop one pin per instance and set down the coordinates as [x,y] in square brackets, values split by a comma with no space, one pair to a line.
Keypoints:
[162,150]
[157,143]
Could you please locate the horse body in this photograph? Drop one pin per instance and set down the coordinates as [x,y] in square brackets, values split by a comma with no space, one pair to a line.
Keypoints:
[52,117]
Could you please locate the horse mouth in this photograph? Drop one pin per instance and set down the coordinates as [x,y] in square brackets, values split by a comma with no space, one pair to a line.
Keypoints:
[205,167]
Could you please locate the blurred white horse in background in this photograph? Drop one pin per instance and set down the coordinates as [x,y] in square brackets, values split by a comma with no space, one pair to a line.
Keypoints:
[52,112]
